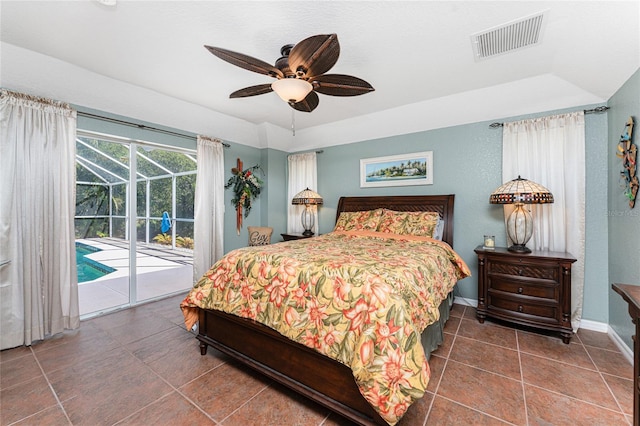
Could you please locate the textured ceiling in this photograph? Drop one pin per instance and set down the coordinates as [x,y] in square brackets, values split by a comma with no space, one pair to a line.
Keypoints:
[418,56]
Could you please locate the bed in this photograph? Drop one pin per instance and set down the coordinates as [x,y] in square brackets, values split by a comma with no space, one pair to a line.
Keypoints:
[302,367]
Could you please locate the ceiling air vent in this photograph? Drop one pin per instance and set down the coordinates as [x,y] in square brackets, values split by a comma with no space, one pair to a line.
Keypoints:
[508,37]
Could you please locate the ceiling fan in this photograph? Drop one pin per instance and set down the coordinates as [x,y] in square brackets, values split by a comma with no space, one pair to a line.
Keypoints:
[300,72]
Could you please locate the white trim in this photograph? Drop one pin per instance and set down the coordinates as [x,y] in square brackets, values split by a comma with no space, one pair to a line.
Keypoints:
[465,302]
[600,327]
[132,203]
[626,350]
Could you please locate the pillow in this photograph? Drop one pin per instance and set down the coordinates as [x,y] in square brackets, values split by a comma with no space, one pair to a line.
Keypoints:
[421,224]
[358,221]
[259,235]
[437,233]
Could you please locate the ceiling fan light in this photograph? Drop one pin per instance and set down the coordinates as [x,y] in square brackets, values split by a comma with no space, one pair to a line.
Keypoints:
[292,89]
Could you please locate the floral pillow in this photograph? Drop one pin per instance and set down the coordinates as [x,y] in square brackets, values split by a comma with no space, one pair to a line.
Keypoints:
[422,224]
[358,221]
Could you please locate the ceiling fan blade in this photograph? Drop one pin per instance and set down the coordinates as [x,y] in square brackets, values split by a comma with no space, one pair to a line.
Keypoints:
[260,89]
[340,85]
[308,104]
[244,61]
[314,55]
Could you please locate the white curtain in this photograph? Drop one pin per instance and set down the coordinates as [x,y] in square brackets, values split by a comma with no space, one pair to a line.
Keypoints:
[38,280]
[551,151]
[303,172]
[208,245]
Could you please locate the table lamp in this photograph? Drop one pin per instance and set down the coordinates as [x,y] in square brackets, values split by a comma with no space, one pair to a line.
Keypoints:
[520,223]
[307,198]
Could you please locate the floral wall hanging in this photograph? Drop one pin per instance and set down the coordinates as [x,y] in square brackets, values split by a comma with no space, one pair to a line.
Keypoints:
[628,151]
[246,187]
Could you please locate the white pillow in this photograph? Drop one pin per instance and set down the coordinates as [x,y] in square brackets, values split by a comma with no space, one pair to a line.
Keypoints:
[439,229]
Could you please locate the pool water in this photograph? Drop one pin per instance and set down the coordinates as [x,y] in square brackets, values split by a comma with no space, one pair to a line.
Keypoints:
[88,269]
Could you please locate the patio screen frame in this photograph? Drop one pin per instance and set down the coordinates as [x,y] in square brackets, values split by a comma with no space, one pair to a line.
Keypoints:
[133,144]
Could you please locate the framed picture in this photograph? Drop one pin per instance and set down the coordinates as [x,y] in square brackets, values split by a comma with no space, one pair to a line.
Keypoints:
[397,170]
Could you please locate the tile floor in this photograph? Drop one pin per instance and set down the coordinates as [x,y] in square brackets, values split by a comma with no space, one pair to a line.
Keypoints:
[140,367]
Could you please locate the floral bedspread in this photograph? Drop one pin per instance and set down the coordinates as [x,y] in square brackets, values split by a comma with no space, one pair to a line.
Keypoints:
[359,297]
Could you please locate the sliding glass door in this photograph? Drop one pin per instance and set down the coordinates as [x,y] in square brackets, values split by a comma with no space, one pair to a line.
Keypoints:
[101,223]
[123,261]
[164,226]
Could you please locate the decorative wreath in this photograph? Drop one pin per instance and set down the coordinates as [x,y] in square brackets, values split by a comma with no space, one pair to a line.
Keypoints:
[246,187]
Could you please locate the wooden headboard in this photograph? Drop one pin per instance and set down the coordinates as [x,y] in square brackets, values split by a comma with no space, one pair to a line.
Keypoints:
[442,204]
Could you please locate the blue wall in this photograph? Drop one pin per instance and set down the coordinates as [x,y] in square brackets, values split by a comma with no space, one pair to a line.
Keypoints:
[274,205]
[250,157]
[624,222]
[468,163]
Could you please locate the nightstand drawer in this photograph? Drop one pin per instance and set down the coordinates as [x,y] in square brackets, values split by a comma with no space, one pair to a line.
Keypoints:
[526,287]
[549,272]
[549,313]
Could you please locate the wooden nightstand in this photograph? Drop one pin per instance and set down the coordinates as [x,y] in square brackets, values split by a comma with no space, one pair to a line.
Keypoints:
[532,289]
[289,237]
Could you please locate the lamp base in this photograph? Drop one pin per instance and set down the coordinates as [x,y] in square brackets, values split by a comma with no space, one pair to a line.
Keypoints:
[519,248]
[308,220]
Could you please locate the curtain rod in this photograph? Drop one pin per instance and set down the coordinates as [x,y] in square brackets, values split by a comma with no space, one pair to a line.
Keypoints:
[599,109]
[320,151]
[141,126]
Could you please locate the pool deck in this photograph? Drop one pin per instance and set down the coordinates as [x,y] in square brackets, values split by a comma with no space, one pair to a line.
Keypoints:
[160,271]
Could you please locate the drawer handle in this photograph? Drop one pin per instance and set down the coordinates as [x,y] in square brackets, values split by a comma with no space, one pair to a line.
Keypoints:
[519,290]
[519,308]
[519,271]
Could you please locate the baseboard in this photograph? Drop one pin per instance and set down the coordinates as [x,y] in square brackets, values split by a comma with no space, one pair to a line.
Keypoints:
[465,302]
[626,350]
[594,326]
[601,327]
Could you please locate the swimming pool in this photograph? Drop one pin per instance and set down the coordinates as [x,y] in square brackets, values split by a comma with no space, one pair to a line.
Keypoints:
[89,269]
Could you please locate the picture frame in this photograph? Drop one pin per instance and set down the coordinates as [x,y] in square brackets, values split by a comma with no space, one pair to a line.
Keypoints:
[397,170]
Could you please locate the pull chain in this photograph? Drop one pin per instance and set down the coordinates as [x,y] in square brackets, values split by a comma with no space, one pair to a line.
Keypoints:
[293,122]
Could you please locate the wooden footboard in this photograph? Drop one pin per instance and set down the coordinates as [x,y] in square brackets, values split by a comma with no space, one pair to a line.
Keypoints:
[304,370]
